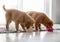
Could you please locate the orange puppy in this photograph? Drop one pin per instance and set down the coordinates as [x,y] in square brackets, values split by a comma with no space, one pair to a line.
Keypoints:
[41,18]
[19,17]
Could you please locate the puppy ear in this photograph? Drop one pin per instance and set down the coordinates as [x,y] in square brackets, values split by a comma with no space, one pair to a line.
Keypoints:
[50,23]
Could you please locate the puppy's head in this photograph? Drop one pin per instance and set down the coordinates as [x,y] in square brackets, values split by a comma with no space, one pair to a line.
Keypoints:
[49,24]
[28,25]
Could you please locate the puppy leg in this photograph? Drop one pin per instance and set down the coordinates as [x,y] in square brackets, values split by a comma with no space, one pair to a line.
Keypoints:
[7,24]
[37,27]
[29,29]
[23,27]
[17,26]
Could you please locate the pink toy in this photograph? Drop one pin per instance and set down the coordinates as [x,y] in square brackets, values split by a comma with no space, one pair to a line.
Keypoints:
[50,29]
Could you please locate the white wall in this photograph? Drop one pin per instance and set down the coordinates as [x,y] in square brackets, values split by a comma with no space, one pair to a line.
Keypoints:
[25,5]
[14,4]
[33,5]
[56,11]
[48,7]
[8,4]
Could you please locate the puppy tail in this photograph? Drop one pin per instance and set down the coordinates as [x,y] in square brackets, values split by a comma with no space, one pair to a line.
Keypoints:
[4,8]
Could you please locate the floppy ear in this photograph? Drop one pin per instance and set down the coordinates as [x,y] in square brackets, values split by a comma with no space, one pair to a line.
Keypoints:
[50,23]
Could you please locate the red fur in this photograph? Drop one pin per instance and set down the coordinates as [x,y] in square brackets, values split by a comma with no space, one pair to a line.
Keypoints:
[41,18]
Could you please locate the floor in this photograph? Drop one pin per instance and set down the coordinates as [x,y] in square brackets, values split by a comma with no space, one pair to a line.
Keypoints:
[42,36]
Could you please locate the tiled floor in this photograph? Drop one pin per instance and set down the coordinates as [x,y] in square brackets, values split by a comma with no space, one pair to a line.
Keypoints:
[42,36]
[30,37]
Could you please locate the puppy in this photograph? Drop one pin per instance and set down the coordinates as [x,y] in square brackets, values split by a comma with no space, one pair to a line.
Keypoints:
[19,17]
[41,18]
